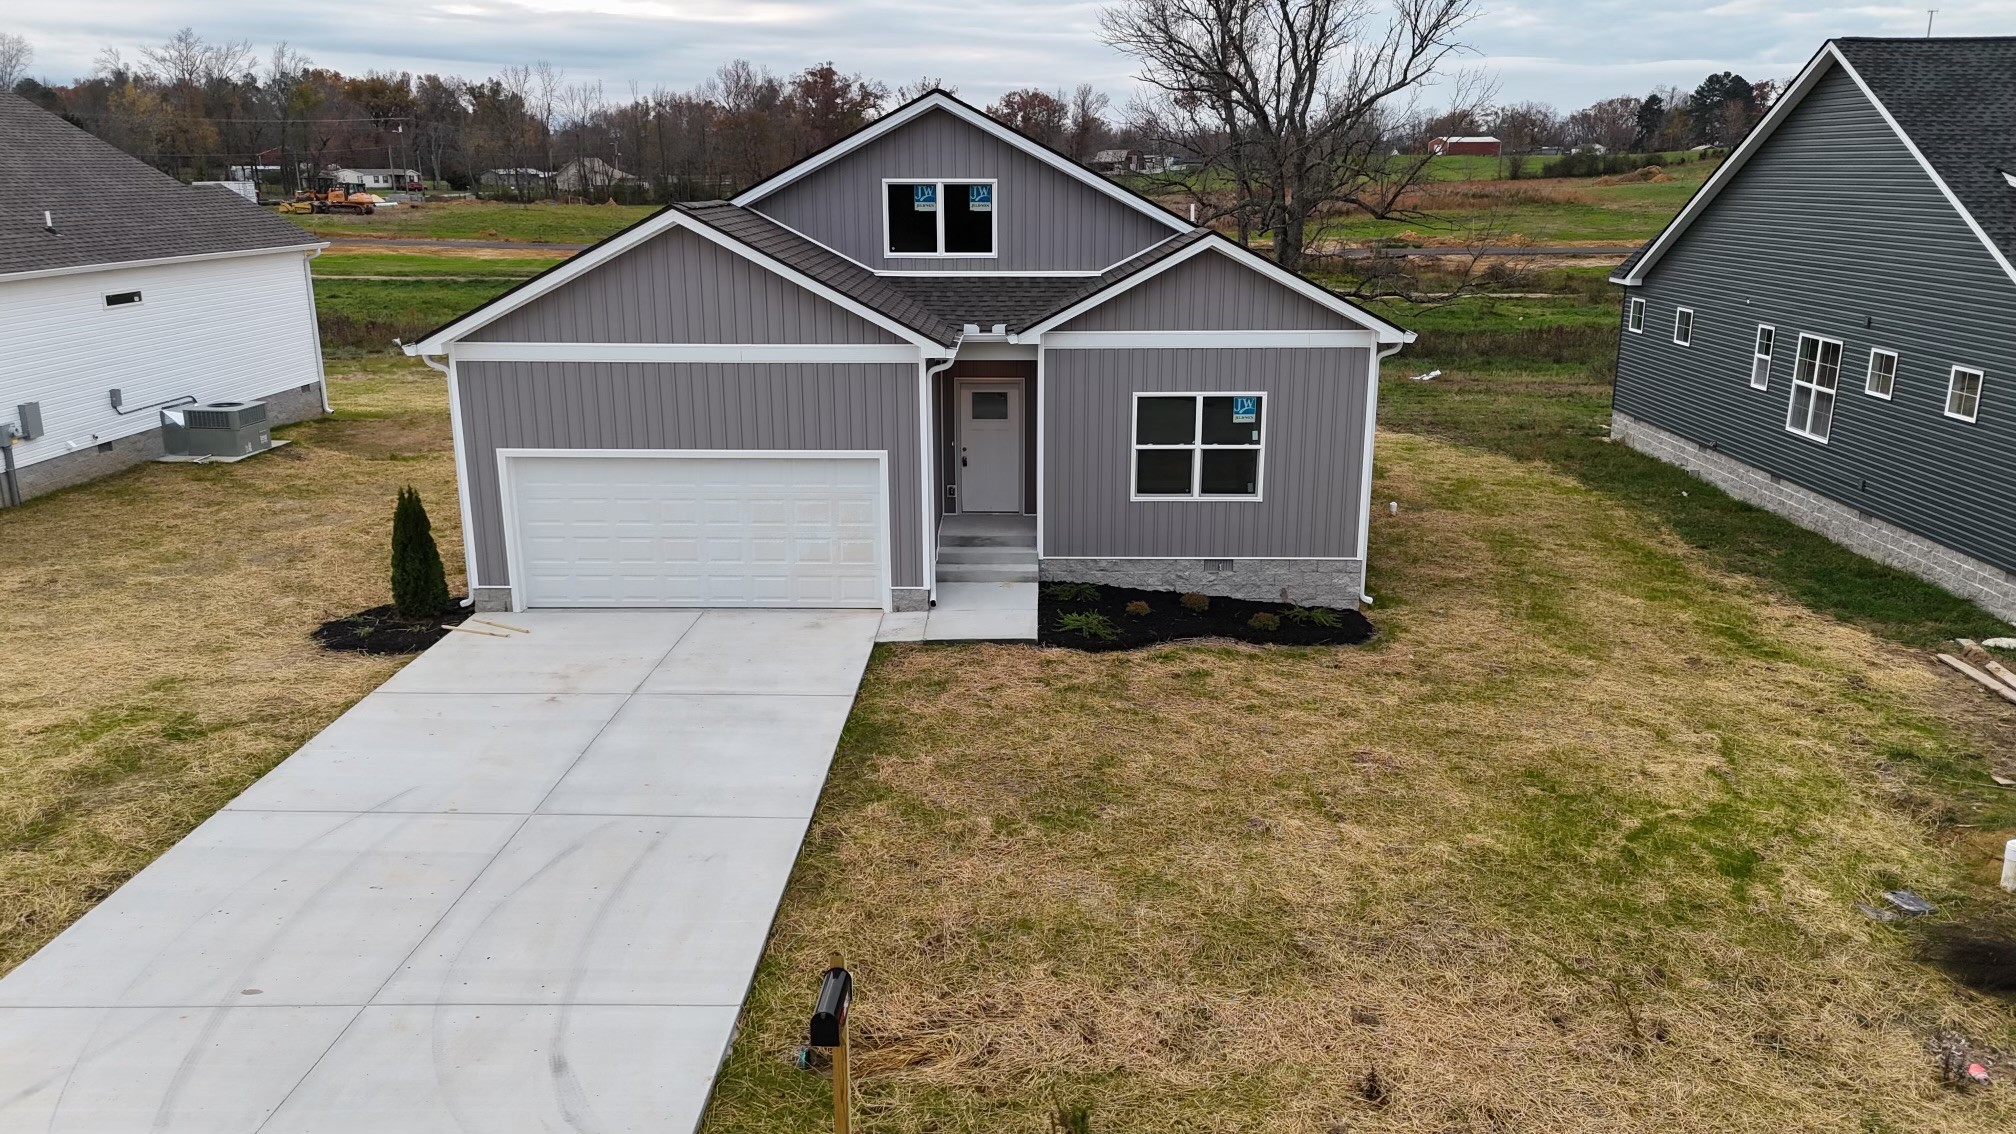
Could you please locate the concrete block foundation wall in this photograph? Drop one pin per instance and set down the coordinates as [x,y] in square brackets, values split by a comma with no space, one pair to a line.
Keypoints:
[1970,578]
[120,454]
[1336,583]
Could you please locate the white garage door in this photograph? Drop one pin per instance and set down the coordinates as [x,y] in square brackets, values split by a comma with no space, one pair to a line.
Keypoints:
[664,529]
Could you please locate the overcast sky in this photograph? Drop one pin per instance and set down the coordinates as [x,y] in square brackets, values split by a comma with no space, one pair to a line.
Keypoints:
[1564,52]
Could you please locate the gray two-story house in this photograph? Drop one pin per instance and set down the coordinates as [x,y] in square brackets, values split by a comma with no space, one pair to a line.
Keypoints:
[1828,329]
[787,399]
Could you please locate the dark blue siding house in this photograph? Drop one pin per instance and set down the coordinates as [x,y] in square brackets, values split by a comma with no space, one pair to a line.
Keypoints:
[1828,329]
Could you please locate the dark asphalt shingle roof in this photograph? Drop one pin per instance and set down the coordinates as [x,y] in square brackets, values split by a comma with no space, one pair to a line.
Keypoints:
[938,306]
[1956,100]
[110,208]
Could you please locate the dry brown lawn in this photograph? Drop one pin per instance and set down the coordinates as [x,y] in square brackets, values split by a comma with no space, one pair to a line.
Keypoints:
[157,626]
[1574,846]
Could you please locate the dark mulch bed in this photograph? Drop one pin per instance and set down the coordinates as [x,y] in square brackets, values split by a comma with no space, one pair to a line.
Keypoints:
[1168,620]
[380,630]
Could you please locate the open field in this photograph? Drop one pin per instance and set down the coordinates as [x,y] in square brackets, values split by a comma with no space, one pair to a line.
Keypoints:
[366,315]
[418,265]
[168,610]
[1574,846]
[1543,212]
[480,220]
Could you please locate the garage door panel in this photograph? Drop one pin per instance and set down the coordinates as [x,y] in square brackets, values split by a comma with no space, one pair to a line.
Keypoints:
[698,531]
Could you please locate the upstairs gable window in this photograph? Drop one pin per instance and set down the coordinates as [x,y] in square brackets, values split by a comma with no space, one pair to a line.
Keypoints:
[939,218]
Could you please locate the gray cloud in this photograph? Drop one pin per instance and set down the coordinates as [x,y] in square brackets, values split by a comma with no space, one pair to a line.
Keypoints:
[1568,52]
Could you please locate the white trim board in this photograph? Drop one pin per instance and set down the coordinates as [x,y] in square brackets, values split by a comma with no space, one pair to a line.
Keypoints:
[685,352]
[1825,60]
[664,220]
[1383,331]
[508,506]
[939,100]
[81,269]
[1199,340]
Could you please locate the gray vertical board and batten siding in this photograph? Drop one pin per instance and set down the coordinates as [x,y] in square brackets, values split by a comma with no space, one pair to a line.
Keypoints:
[1210,292]
[1834,229]
[1046,220]
[681,288]
[1311,481]
[801,406]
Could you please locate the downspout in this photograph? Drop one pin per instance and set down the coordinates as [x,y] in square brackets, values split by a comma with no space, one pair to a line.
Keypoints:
[468,536]
[1371,432]
[315,330]
[931,453]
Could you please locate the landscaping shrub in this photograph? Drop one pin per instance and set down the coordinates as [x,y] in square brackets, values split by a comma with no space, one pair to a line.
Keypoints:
[1139,609]
[1196,602]
[419,585]
[1073,592]
[1264,621]
[1312,615]
[1090,624]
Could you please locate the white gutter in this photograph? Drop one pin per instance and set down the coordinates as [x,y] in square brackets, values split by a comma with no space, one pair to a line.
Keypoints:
[81,269]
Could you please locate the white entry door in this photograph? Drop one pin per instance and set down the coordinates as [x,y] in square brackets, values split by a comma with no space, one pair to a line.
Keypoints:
[669,528]
[990,447]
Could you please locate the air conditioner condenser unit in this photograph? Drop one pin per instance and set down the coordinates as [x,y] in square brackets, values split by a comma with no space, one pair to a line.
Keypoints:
[217,430]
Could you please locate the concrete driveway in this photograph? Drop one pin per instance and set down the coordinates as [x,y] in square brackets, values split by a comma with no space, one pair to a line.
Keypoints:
[521,887]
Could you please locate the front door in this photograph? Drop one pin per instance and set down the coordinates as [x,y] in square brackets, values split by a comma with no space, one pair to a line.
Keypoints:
[990,447]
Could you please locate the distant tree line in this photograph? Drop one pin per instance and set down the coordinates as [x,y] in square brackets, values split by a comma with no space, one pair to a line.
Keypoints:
[1718,113]
[198,109]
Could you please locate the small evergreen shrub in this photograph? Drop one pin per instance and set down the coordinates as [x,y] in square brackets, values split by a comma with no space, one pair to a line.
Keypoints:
[1264,621]
[1195,602]
[1312,615]
[1139,609]
[419,585]
[1089,624]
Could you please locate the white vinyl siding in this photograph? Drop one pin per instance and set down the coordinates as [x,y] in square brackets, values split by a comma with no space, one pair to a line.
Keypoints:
[1816,378]
[1760,356]
[1963,393]
[1882,379]
[232,329]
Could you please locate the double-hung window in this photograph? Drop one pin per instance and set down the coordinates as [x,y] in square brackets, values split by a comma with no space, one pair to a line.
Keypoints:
[1637,320]
[1963,393]
[1198,446]
[1882,380]
[1683,326]
[1815,378]
[1760,356]
[939,218]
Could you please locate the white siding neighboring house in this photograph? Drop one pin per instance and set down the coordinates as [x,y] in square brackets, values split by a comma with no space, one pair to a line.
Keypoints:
[113,276]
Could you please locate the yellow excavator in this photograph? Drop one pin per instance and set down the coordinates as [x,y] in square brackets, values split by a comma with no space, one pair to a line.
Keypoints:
[332,196]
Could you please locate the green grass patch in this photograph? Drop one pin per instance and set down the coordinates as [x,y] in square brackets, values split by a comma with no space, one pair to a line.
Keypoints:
[367,315]
[481,220]
[406,264]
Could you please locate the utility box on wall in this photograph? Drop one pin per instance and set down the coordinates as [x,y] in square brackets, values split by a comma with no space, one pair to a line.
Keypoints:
[28,420]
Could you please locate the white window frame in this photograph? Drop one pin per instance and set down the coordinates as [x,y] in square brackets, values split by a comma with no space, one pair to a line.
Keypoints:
[1980,390]
[1688,312]
[139,297]
[1869,378]
[1634,321]
[1811,385]
[1196,447]
[993,213]
[1761,356]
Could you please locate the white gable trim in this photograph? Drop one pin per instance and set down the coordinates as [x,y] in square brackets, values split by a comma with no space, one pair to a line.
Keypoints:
[122,265]
[939,100]
[1828,58]
[670,218]
[1384,331]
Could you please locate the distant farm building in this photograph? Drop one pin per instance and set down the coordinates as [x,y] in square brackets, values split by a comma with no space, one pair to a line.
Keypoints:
[1487,147]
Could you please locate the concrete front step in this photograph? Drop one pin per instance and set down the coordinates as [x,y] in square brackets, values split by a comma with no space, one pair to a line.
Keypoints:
[986,573]
[987,539]
[985,554]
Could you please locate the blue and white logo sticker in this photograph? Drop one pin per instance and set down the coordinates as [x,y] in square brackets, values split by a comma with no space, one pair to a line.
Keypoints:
[980,198]
[924,198]
[1245,411]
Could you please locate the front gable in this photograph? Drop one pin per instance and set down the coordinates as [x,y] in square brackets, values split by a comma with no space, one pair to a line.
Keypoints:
[1050,215]
[1210,292]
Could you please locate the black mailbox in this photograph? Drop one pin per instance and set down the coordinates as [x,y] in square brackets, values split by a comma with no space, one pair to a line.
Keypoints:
[829,1013]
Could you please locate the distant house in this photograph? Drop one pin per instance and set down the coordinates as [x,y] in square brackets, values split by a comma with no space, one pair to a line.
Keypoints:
[1116,161]
[401,179]
[124,293]
[1450,147]
[524,181]
[587,175]
[1824,329]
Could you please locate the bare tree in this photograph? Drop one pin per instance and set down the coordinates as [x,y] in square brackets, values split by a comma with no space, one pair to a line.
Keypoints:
[1612,124]
[16,53]
[1088,109]
[921,87]
[1295,103]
